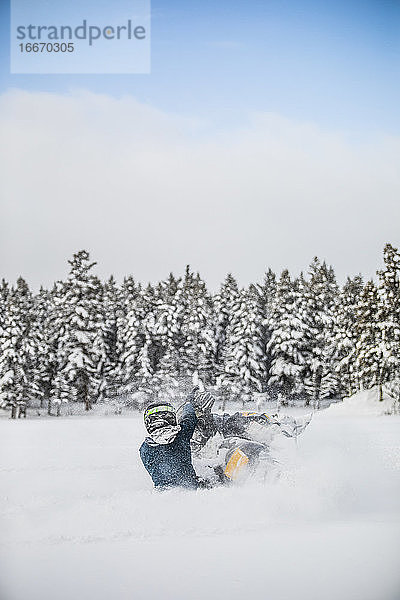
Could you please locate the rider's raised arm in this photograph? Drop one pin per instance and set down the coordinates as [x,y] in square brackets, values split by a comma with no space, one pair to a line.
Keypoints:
[188,420]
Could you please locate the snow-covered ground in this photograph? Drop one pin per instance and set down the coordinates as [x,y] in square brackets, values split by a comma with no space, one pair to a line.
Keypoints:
[79,519]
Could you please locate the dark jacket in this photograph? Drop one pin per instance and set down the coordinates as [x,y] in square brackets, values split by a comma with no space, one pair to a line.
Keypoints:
[170,465]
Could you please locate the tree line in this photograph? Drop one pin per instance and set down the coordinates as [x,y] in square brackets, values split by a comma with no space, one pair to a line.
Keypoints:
[297,339]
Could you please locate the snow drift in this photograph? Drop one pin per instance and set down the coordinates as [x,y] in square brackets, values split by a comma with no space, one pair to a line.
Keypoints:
[365,403]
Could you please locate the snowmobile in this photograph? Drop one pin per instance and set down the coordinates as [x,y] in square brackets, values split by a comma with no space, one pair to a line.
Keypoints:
[229,449]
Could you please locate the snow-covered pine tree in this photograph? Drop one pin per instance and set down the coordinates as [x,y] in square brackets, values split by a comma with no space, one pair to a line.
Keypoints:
[41,366]
[129,294]
[268,289]
[346,336]
[136,367]
[17,349]
[223,303]
[129,345]
[378,326]
[149,350]
[267,292]
[10,334]
[368,351]
[24,301]
[168,333]
[244,369]
[169,288]
[4,325]
[56,389]
[389,313]
[257,295]
[321,297]
[113,312]
[198,351]
[289,342]
[79,355]
[99,346]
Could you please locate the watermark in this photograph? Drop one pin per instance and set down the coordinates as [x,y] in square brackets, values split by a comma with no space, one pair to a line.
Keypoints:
[81,37]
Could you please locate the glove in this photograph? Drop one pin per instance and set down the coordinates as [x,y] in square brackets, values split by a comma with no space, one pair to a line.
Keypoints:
[202,401]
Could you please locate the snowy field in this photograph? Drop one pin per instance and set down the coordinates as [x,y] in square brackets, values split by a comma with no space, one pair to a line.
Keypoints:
[79,519]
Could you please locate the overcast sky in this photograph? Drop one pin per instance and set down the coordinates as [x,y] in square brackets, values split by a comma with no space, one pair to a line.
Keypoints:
[237,153]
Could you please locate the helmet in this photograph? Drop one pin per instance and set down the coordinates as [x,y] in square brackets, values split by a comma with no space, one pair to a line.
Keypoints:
[159,414]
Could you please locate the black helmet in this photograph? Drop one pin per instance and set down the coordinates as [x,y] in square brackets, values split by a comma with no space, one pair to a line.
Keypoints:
[159,415]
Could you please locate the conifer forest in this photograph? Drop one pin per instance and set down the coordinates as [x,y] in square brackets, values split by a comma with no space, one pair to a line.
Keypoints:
[303,340]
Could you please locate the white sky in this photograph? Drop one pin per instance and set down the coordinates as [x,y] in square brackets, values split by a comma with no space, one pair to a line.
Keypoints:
[148,192]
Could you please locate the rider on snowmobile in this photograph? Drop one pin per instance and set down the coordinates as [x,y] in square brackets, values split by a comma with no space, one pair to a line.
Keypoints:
[166,451]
